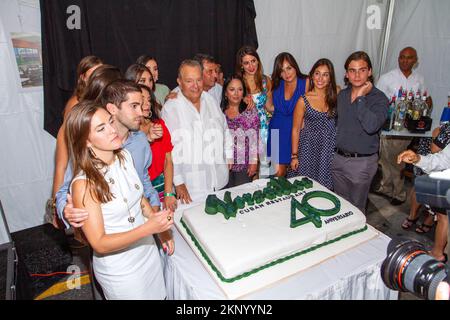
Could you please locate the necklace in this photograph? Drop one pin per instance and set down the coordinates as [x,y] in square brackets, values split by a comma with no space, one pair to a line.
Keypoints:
[130,219]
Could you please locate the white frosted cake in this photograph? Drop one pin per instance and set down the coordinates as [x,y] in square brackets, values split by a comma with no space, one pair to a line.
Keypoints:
[239,236]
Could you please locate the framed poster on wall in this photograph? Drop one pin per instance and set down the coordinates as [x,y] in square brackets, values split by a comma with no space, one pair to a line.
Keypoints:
[28,53]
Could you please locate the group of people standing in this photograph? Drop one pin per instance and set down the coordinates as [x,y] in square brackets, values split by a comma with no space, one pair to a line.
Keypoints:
[130,150]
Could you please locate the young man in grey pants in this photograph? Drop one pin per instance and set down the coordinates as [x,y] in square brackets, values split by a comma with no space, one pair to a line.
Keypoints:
[362,111]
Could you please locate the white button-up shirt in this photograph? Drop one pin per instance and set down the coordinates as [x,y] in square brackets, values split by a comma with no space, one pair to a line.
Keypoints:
[202,144]
[216,92]
[391,82]
[435,162]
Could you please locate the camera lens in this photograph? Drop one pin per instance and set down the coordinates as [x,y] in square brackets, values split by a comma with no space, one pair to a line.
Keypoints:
[409,268]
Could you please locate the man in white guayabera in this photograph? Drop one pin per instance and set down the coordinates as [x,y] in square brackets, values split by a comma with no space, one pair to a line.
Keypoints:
[202,143]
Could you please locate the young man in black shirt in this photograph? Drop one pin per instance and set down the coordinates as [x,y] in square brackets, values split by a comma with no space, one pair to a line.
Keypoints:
[362,110]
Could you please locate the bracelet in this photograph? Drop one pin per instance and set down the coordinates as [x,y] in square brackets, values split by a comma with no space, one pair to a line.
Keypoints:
[294,156]
[169,194]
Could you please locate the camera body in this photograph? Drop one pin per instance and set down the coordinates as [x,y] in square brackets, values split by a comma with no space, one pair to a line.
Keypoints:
[434,192]
[408,267]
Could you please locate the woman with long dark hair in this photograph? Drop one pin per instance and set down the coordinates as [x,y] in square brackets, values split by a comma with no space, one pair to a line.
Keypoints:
[161,169]
[258,86]
[126,260]
[314,126]
[288,85]
[244,126]
[161,90]
[139,73]
[85,69]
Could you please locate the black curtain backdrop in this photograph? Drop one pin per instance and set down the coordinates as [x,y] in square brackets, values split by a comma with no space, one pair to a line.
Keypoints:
[118,31]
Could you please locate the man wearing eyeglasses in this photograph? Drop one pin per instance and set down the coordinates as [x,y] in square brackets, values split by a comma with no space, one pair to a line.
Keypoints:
[392,183]
[361,112]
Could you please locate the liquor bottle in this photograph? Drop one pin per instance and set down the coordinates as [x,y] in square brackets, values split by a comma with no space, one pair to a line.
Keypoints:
[399,94]
[417,106]
[387,126]
[400,113]
[426,110]
[409,103]
[391,113]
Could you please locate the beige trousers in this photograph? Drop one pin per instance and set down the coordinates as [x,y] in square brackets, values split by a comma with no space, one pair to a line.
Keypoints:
[392,182]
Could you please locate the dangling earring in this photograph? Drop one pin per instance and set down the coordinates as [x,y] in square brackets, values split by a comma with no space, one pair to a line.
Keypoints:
[92,153]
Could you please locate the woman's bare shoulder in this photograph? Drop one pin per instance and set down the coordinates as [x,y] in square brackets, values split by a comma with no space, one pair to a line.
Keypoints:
[70,104]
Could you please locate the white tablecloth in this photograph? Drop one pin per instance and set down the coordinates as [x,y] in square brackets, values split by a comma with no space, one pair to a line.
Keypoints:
[352,275]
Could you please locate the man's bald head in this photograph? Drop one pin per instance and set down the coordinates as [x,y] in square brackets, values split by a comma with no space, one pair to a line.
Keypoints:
[409,50]
[407,60]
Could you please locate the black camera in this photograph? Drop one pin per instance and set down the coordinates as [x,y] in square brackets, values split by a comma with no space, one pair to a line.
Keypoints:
[409,268]
[434,192]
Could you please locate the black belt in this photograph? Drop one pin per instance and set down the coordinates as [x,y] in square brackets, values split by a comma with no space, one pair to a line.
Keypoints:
[352,154]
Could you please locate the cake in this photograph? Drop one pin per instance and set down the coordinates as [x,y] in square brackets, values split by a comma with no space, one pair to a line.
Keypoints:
[244,232]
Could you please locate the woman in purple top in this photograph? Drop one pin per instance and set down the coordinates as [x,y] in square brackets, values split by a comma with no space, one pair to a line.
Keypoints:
[244,128]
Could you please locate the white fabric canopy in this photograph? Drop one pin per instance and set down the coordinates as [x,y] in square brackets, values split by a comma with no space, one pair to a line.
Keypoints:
[27,151]
[311,30]
[4,232]
[424,25]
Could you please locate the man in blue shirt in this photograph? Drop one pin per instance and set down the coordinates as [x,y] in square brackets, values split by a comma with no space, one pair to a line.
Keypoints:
[123,99]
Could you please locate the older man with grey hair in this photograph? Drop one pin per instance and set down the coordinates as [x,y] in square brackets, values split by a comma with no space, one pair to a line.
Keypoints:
[200,136]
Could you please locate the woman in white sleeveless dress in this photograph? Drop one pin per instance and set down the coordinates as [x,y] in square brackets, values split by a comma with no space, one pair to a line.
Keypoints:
[126,261]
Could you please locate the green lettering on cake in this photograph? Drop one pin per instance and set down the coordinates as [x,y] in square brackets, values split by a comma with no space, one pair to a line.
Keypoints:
[214,205]
[276,187]
[211,204]
[269,193]
[227,197]
[309,216]
[286,186]
[298,185]
[308,184]
[231,211]
[258,196]
[239,202]
[310,213]
[248,199]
